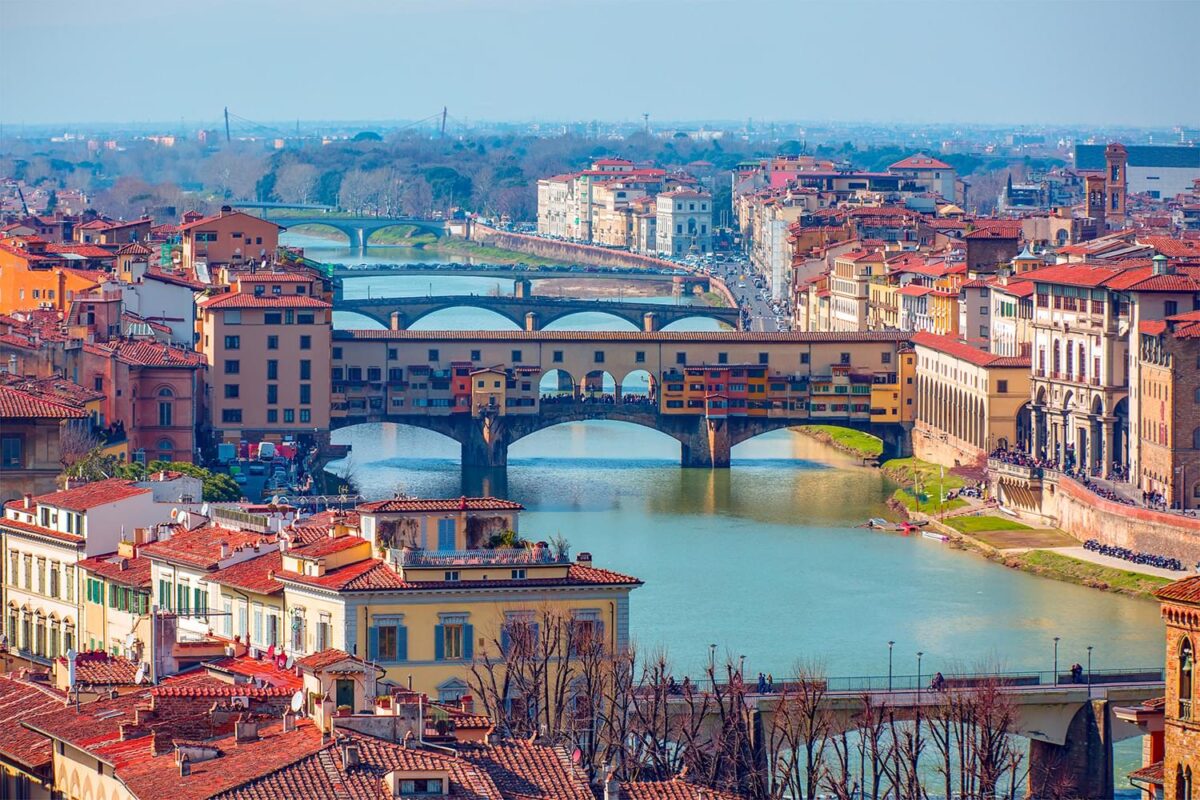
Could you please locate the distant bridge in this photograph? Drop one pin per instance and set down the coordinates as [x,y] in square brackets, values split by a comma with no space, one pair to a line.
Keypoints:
[704,442]
[532,313]
[358,229]
[539,273]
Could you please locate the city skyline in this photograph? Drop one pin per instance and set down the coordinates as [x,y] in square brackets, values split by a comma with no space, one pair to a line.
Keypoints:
[990,63]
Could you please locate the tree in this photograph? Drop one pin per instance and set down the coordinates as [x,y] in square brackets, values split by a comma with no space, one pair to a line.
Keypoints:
[97,465]
[296,182]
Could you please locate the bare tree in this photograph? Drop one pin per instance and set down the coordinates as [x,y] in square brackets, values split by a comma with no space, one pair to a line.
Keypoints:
[296,182]
[76,440]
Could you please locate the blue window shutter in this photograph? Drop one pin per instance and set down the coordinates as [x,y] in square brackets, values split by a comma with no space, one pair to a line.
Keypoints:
[439,643]
[505,640]
[401,643]
[373,643]
[468,642]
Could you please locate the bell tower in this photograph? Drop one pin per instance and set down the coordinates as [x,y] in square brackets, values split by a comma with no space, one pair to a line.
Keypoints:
[1116,163]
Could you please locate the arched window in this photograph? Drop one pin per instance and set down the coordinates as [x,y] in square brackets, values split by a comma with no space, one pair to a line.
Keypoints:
[166,450]
[1187,664]
[166,407]
[1057,363]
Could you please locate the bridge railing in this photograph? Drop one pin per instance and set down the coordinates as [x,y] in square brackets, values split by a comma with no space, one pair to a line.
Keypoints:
[1017,680]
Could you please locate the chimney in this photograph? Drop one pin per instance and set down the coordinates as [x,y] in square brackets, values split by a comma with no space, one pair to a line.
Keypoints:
[1161,265]
[28,500]
[289,721]
[612,787]
[185,767]
[224,550]
[245,731]
[584,558]
[467,704]
[350,755]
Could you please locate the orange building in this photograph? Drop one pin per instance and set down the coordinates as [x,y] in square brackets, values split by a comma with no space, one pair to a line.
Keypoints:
[228,238]
[31,277]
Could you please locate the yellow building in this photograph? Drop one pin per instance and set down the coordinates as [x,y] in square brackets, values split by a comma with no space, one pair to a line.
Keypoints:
[115,607]
[425,589]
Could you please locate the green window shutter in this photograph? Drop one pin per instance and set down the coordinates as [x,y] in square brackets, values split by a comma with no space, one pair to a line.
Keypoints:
[439,643]
[373,643]
[401,643]
[468,642]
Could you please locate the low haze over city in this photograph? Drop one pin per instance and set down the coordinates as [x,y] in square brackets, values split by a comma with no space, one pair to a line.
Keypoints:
[587,400]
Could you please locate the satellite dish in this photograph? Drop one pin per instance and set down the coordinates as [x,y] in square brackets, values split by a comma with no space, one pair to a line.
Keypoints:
[291,662]
[298,701]
[275,500]
[141,675]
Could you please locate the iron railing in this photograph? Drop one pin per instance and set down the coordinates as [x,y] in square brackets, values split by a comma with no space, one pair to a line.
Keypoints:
[510,556]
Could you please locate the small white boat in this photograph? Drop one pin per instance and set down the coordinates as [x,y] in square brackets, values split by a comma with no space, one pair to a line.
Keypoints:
[937,537]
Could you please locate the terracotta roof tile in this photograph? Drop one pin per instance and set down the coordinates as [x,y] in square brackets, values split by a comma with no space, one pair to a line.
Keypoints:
[133,572]
[243,300]
[254,575]
[920,161]
[1182,591]
[675,789]
[91,495]
[18,404]
[965,352]
[144,353]
[202,547]
[19,700]
[98,668]
[440,505]
[374,574]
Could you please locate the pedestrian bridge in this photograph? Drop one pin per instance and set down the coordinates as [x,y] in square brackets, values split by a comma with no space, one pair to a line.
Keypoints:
[531,313]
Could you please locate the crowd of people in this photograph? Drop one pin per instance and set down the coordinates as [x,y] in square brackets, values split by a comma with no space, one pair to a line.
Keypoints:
[606,398]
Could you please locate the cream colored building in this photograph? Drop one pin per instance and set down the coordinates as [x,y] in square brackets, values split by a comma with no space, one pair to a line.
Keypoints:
[969,402]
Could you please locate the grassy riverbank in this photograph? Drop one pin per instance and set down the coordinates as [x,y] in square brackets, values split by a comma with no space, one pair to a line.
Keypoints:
[1084,573]
[921,481]
[856,443]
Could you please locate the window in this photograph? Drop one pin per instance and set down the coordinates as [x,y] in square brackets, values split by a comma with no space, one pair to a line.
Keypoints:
[272,415]
[306,370]
[1002,387]
[1187,666]
[233,317]
[272,342]
[518,574]
[306,342]
[233,367]
[519,632]
[516,356]
[232,391]
[306,394]
[387,639]
[183,597]
[305,319]
[305,415]
[722,358]
[452,638]
[272,370]
[324,642]
[289,415]
[804,358]
[11,447]
[433,355]
[374,374]
[598,356]
[273,318]
[420,786]
[272,393]
[640,357]
[845,358]
[681,358]
[231,415]
[233,342]
[885,357]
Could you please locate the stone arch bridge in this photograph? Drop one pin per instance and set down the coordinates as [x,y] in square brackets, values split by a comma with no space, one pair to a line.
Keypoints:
[704,442]
[532,313]
[358,230]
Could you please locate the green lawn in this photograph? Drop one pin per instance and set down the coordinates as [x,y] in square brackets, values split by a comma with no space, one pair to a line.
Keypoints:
[1065,568]
[985,523]
[862,444]
[907,471]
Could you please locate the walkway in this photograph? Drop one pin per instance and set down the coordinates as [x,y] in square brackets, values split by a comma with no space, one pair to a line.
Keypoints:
[1083,554]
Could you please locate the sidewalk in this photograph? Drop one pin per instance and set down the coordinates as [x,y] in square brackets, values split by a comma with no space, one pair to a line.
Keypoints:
[1084,554]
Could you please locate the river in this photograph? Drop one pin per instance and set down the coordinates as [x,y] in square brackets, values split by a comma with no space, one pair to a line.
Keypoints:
[764,559]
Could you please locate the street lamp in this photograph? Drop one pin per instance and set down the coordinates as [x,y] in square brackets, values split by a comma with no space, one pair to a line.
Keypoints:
[1089,649]
[919,654]
[891,644]
[742,667]
[1056,638]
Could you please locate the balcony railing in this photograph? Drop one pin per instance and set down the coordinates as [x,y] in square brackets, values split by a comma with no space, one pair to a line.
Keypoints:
[514,556]
[1185,709]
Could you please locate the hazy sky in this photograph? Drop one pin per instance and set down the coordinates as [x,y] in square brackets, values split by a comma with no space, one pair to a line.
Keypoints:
[1133,62]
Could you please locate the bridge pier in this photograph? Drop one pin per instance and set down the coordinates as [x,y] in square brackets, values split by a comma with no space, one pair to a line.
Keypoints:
[522,288]
[707,446]
[1082,767]
[485,445]
[897,440]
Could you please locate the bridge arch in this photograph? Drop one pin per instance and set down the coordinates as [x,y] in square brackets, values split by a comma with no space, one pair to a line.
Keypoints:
[464,301]
[349,231]
[698,321]
[638,382]
[416,226]
[558,383]
[558,321]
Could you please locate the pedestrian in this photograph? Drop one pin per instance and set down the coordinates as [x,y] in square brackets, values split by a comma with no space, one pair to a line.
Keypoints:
[762,683]
[770,683]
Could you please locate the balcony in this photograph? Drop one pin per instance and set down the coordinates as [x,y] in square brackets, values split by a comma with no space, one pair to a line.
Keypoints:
[498,557]
[1185,710]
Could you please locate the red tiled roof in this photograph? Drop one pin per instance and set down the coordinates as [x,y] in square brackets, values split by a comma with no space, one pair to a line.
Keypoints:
[1020,288]
[76,248]
[1151,773]
[1182,591]
[674,789]
[217,217]
[202,547]
[325,658]
[327,545]
[98,668]
[915,290]
[144,353]
[18,404]
[19,700]
[176,278]
[134,573]
[244,300]
[965,352]
[91,495]
[440,505]
[920,161]
[253,575]
[26,527]
[374,574]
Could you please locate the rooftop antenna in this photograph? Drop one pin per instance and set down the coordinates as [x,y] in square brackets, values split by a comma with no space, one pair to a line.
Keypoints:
[227,139]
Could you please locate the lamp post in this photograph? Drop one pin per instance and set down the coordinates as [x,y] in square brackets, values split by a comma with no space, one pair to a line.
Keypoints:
[891,644]
[741,668]
[1089,649]
[919,654]
[1056,638]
